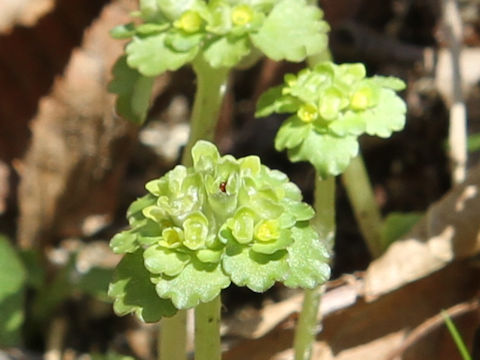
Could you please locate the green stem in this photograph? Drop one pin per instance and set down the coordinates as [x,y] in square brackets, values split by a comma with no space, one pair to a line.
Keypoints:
[365,208]
[207,330]
[211,88]
[173,337]
[324,224]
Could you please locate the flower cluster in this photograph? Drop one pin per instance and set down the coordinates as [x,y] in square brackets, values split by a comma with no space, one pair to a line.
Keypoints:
[223,32]
[332,106]
[222,220]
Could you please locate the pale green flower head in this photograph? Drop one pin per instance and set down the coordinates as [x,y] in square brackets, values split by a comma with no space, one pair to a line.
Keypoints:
[173,33]
[200,228]
[332,105]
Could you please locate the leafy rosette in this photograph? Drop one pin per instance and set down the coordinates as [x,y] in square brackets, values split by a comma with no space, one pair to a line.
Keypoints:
[222,220]
[224,32]
[333,105]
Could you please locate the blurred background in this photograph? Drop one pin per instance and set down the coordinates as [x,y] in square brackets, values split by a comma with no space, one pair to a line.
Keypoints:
[69,167]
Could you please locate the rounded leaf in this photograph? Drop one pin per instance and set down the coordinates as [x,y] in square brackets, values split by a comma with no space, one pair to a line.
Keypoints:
[133,292]
[198,282]
[307,259]
[256,271]
[159,260]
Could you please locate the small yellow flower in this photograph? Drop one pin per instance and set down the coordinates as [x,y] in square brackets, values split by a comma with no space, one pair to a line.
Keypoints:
[267,230]
[242,15]
[190,22]
[362,98]
[308,113]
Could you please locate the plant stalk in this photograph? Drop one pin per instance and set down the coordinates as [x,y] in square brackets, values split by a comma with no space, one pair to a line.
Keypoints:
[173,337]
[324,224]
[207,330]
[211,88]
[365,208]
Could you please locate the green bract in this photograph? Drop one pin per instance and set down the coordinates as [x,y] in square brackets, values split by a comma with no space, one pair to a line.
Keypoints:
[222,220]
[332,106]
[223,32]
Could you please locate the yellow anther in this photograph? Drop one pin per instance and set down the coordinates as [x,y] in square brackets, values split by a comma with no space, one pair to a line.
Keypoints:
[307,113]
[242,15]
[190,22]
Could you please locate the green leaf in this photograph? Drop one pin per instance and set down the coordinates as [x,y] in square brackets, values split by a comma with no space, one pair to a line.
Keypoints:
[124,242]
[350,123]
[133,90]
[390,82]
[473,142]
[12,294]
[159,260]
[292,133]
[123,31]
[51,295]
[151,28]
[134,212]
[272,101]
[396,225]
[307,259]
[270,247]
[457,338]
[226,51]
[330,155]
[134,292]
[172,9]
[256,271]
[300,210]
[292,31]
[33,266]
[95,283]
[183,42]
[151,56]
[198,282]
[205,155]
[388,116]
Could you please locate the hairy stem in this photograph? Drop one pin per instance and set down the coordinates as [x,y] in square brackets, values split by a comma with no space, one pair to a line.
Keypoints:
[211,88]
[365,208]
[207,330]
[324,224]
[173,337]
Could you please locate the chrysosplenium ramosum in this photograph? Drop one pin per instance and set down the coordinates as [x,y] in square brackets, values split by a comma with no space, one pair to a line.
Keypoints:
[332,106]
[222,220]
[222,32]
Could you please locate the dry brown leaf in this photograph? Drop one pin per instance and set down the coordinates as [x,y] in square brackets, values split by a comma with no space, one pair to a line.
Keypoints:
[373,330]
[22,12]
[79,147]
[450,230]
[30,60]
[259,323]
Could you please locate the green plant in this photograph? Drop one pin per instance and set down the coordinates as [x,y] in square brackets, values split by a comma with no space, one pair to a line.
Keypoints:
[332,105]
[223,219]
[457,338]
[13,280]
[212,36]
[203,227]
